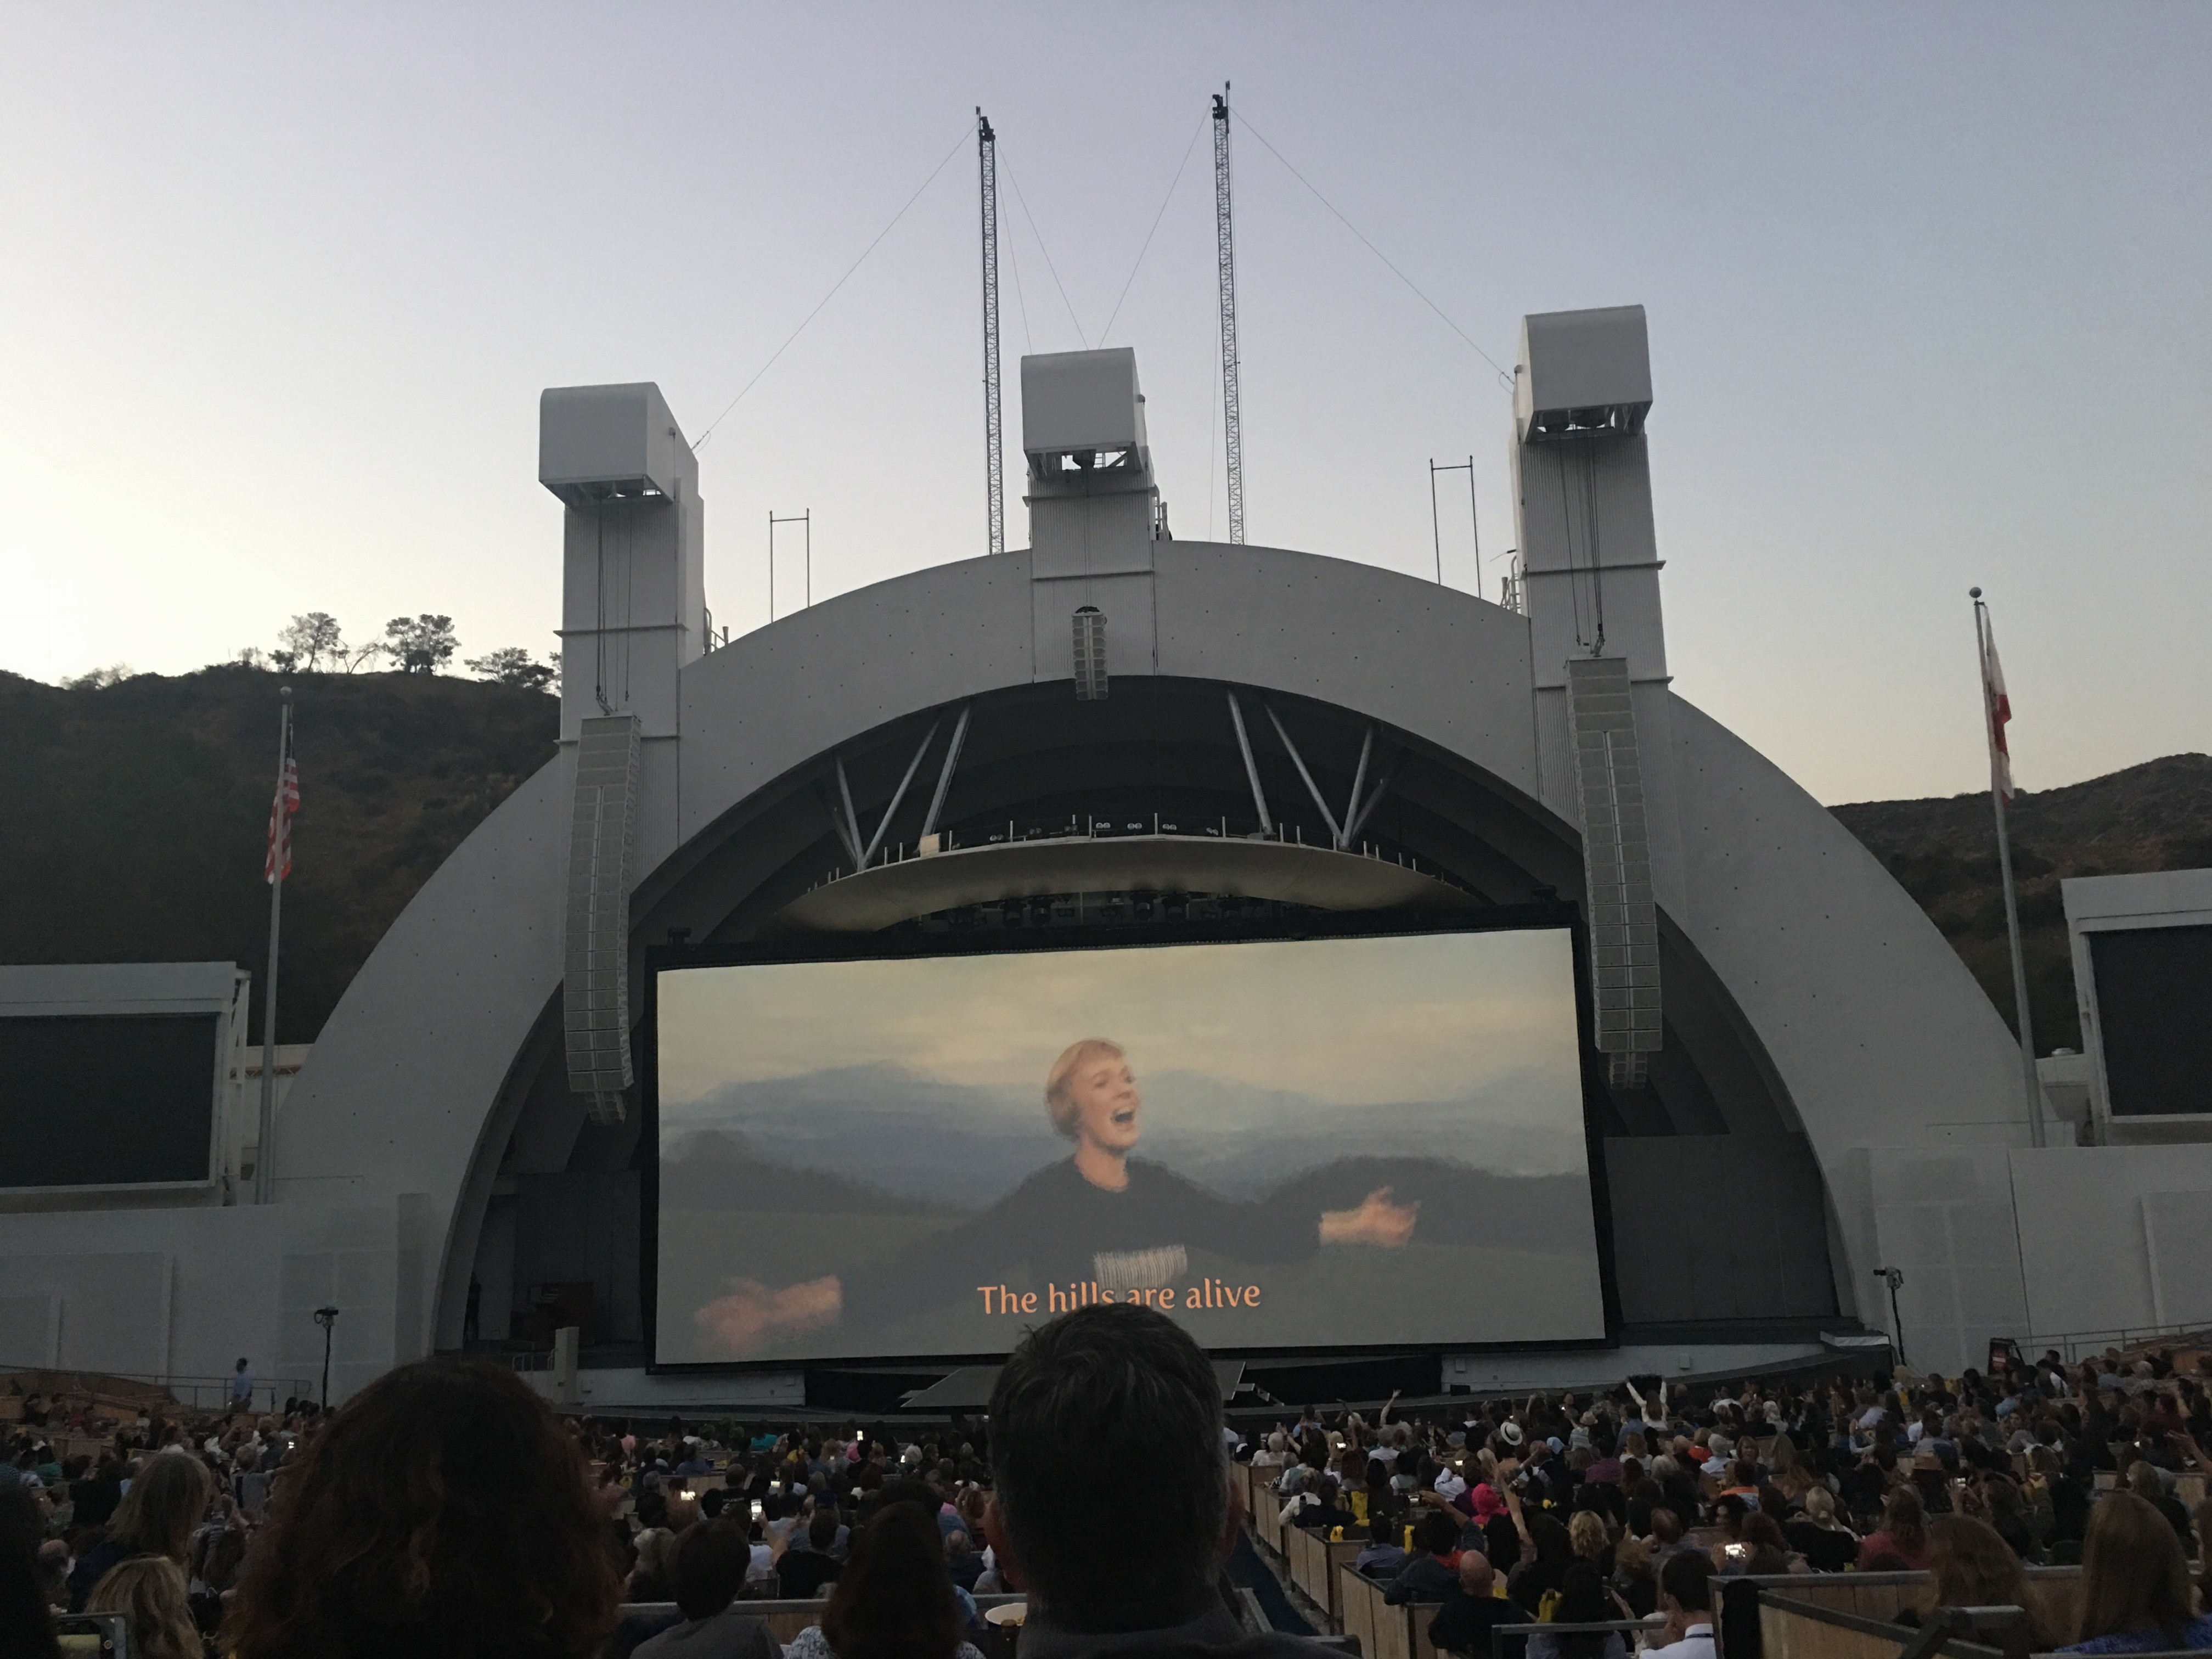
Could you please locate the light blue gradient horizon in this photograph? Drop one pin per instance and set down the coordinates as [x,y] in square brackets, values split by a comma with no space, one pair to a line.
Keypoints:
[1929,291]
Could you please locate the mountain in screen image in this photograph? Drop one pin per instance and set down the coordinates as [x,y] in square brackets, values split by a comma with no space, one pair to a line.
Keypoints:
[906,1132]
[717,1170]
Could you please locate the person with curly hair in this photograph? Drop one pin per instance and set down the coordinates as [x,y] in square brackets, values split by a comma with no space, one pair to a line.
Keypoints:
[441,1512]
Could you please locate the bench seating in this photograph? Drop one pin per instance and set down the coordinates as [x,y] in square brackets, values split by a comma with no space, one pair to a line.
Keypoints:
[1314,1561]
[1384,1631]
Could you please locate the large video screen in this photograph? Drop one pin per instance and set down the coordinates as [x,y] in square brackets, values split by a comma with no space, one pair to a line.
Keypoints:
[96,1100]
[2152,987]
[1282,1144]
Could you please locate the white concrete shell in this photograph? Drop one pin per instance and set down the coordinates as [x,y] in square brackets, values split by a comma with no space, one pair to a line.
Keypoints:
[1885,1049]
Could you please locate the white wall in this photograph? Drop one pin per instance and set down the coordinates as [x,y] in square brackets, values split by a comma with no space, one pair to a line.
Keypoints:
[173,1292]
[2115,1237]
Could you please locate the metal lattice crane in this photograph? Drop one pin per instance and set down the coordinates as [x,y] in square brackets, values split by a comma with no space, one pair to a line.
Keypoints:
[986,156]
[1225,258]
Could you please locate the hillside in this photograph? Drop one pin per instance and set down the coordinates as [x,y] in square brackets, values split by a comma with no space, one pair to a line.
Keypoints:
[2157,816]
[135,813]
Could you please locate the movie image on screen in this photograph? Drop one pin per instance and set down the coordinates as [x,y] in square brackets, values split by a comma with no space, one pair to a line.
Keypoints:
[1280,1144]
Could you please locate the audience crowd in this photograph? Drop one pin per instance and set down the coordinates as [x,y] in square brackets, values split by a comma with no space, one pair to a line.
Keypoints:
[446,1509]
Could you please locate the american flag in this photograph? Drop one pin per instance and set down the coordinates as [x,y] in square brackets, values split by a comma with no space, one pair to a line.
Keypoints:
[277,864]
[2000,716]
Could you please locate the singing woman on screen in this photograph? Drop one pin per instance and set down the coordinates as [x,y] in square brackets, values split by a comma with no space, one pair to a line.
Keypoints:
[1099,1217]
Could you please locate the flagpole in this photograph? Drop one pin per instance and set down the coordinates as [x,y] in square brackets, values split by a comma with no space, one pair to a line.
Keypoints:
[264,1180]
[2004,869]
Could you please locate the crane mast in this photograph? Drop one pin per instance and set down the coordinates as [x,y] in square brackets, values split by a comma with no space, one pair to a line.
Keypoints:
[987,158]
[1225,259]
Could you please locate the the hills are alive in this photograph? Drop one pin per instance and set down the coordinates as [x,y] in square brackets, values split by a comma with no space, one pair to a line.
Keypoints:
[135,812]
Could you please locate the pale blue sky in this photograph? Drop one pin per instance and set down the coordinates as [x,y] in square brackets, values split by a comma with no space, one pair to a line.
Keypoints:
[1928,287]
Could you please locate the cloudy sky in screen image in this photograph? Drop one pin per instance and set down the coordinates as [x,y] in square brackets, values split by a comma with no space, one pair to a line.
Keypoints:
[1225,1038]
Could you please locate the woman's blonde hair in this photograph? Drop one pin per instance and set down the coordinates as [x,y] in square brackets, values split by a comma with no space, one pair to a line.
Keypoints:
[1586,1534]
[1057,1099]
[150,1592]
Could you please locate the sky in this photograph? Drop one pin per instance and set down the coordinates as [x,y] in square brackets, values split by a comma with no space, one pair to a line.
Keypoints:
[1928,290]
[1436,1018]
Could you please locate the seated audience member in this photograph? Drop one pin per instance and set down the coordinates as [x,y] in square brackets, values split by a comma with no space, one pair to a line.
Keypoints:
[1759,1548]
[1969,1566]
[801,1573]
[26,1627]
[1545,1569]
[894,1600]
[1382,1557]
[1685,1597]
[961,1561]
[1325,1512]
[1583,1600]
[96,1496]
[1901,1545]
[148,1591]
[157,1516]
[1667,1536]
[2136,1593]
[709,1571]
[441,1510]
[651,1578]
[2143,1482]
[1472,1610]
[1632,1579]
[1430,1572]
[1113,1564]
[1587,1536]
[1827,1544]
[54,1570]
[2008,1516]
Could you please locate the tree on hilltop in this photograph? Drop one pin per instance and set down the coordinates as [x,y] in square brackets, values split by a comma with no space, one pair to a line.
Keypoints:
[421,645]
[512,666]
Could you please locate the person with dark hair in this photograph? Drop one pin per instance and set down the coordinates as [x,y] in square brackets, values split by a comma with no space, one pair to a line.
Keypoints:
[1325,1512]
[709,1570]
[1583,1599]
[26,1625]
[801,1573]
[442,1511]
[1545,1571]
[1382,1557]
[95,1497]
[1111,1562]
[1432,1571]
[1759,1548]
[2136,1593]
[1685,1597]
[894,1600]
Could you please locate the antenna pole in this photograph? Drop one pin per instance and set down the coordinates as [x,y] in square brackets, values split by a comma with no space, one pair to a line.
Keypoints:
[1225,259]
[987,158]
[1435,534]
